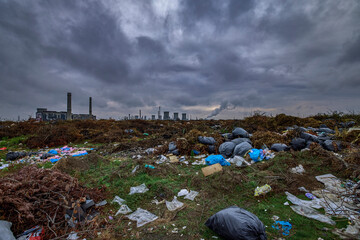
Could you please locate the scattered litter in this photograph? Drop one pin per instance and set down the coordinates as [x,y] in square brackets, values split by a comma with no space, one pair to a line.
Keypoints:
[174,204]
[303,189]
[236,223]
[286,203]
[149,166]
[35,233]
[100,204]
[238,161]
[310,196]
[262,190]
[214,159]
[199,162]
[138,189]
[72,236]
[124,209]
[173,159]
[118,200]
[275,218]
[211,169]
[150,151]
[4,166]
[311,213]
[157,202]
[142,217]
[297,201]
[285,227]
[135,169]
[258,155]
[192,195]
[298,170]
[3,149]
[162,159]
[183,192]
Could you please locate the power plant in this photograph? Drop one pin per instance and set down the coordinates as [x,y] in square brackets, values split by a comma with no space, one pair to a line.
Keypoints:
[42,114]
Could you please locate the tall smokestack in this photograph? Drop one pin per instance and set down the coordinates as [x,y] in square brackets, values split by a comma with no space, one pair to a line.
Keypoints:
[68,113]
[140,113]
[90,107]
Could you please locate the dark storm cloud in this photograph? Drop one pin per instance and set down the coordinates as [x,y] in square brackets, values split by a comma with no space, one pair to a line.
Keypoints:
[207,58]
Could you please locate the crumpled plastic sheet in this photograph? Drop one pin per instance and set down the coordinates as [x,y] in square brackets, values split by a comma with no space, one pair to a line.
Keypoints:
[139,189]
[315,203]
[183,192]
[298,170]
[118,200]
[191,196]
[331,183]
[142,217]
[124,209]
[174,204]
[312,213]
[238,161]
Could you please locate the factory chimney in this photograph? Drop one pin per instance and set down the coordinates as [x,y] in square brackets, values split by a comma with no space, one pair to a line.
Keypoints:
[68,113]
[90,107]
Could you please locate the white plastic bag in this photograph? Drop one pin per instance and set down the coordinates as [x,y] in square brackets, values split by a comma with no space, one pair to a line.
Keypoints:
[142,217]
[191,196]
[124,209]
[312,213]
[174,204]
[139,189]
[118,200]
[183,192]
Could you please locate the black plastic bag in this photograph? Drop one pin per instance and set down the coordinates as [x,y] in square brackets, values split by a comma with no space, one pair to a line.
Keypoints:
[207,140]
[237,223]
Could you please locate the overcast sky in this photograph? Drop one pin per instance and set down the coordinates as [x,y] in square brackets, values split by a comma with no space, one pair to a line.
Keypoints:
[207,58]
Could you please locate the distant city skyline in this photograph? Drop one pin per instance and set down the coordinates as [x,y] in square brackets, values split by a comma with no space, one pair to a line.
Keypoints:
[208,58]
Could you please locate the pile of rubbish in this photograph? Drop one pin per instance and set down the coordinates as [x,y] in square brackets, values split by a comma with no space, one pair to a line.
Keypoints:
[47,198]
[338,199]
[45,155]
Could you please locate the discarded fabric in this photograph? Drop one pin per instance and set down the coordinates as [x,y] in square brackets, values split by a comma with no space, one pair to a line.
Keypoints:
[213,159]
[142,217]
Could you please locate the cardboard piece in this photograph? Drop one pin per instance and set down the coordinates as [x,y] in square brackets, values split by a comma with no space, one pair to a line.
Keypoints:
[173,159]
[211,169]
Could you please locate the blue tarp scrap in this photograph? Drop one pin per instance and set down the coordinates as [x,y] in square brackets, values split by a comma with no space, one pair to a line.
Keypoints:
[213,159]
[54,160]
[80,154]
[53,151]
[285,227]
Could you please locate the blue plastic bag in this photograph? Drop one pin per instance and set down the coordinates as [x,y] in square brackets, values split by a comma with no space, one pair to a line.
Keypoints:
[213,159]
[256,155]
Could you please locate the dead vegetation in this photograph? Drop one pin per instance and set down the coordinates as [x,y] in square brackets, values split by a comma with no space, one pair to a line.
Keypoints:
[35,196]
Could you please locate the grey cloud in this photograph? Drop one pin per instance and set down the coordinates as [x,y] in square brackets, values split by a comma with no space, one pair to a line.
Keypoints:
[236,54]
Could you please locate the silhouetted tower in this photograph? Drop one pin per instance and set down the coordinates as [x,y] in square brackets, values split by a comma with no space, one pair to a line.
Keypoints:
[68,112]
[90,107]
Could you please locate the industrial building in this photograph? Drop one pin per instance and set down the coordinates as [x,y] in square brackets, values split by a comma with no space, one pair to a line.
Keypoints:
[42,114]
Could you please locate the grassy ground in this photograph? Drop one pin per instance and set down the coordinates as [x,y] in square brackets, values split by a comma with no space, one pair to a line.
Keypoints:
[233,186]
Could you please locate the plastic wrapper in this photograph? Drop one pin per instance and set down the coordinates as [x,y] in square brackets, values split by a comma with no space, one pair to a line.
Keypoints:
[191,196]
[135,169]
[312,213]
[297,201]
[174,204]
[139,189]
[142,217]
[262,190]
[124,209]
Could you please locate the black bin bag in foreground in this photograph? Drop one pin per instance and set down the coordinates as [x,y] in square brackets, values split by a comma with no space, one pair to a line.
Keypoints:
[236,223]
